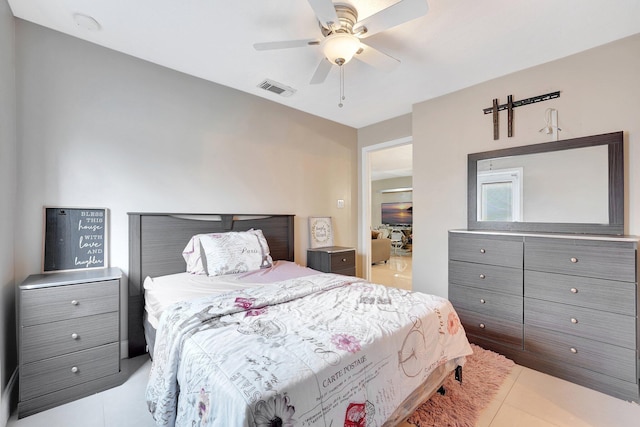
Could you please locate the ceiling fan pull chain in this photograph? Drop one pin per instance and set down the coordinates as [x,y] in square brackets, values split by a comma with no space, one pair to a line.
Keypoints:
[341,86]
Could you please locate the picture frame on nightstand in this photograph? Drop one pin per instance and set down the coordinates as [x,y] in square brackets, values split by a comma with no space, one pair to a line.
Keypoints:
[320,232]
[74,238]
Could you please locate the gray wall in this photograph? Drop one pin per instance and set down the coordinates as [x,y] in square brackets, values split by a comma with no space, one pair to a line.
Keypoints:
[99,128]
[8,195]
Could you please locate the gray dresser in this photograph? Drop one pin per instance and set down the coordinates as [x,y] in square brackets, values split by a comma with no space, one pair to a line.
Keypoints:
[562,304]
[69,338]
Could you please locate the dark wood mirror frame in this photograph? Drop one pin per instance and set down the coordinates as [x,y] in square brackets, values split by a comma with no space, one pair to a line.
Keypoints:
[614,141]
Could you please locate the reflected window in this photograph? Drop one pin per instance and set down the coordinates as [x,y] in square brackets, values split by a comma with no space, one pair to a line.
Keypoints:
[500,195]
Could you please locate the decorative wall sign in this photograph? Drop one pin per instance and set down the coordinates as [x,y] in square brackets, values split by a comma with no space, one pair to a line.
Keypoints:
[320,231]
[74,238]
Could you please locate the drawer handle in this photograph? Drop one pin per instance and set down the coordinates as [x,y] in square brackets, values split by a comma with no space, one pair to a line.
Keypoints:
[75,369]
[574,290]
[482,325]
[482,251]
[75,302]
[574,320]
[482,276]
[574,260]
[344,260]
[573,350]
[75,336]
[482,301]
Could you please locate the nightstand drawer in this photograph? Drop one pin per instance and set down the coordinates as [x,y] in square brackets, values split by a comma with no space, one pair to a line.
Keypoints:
[61,372]
[343,263]
[490,277]
[63,302]
[608,295]
[607,359]
[504,251]
[66,336]
[494,304]
[612,328]
[611,261]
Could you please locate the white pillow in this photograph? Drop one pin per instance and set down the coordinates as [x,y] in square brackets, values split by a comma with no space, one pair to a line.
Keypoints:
[192,253]
[234,252]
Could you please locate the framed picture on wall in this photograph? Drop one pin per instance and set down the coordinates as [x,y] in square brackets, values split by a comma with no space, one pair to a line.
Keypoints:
[74,239]
[320,231]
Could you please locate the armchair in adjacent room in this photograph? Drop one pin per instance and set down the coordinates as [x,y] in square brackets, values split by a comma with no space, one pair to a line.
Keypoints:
[380,248]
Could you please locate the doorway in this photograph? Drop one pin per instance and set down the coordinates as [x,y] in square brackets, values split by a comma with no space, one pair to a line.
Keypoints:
[387,211]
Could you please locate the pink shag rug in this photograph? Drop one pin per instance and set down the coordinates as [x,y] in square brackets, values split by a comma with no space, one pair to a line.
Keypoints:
[482,375]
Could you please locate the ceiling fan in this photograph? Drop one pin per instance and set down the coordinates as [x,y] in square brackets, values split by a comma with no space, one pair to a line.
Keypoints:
[343,34]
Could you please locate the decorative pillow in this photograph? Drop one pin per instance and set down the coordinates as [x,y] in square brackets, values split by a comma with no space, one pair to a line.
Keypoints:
[191,254]
[234,252]
[196,263]
[375,234]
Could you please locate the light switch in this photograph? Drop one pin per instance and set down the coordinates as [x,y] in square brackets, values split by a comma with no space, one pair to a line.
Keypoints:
[340,203]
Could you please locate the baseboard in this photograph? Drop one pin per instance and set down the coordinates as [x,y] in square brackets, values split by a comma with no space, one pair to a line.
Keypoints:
[8,398]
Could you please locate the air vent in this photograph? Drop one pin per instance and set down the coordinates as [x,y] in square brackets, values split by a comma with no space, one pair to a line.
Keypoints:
[277,88]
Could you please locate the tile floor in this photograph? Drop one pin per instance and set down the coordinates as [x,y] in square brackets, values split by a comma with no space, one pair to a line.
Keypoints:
[526,399]
[396,272]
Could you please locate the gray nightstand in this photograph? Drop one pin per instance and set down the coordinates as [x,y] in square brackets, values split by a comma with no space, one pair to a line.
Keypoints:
[333,259]
[69,338]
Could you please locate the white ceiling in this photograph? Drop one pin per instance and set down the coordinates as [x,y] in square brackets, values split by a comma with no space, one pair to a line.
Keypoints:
[458,43]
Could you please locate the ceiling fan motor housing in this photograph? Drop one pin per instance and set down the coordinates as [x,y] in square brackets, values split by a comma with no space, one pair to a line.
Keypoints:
[347,18]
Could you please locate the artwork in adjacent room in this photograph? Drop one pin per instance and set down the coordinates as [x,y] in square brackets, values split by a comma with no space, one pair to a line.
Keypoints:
[74,238]
[397,213]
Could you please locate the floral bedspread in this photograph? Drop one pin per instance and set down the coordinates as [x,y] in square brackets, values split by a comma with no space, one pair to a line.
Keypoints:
[321,350]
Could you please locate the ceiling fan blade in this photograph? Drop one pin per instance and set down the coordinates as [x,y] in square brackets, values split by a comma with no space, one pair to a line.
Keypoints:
[321,72]
[325,12]
[376,59]
[286,44]
[396,14]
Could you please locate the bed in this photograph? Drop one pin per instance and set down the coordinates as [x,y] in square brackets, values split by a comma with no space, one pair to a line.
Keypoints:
[283,345]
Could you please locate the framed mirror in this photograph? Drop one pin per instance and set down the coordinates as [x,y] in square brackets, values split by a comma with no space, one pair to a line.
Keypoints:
[571,186]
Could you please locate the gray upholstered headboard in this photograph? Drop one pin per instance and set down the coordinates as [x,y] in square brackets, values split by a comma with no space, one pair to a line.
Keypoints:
[156,241]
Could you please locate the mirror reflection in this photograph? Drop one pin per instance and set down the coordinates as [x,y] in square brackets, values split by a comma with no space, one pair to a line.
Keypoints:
[548,187]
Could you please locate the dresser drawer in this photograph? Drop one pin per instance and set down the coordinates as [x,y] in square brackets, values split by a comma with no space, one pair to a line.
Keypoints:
[46,376]
[607,359]
[503,251]
[499,330]
[608,295]
[597,325]
[66,336]
[497,305]
[593,258]
[55,303]
[490,277]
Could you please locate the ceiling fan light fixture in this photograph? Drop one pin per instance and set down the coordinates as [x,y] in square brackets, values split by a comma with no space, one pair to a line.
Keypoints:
[339,48]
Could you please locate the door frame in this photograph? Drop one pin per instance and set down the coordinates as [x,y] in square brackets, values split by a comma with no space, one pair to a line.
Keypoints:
[365,196]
